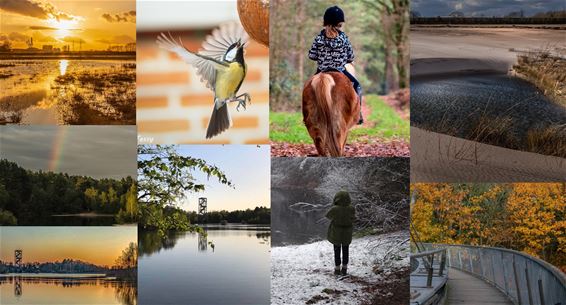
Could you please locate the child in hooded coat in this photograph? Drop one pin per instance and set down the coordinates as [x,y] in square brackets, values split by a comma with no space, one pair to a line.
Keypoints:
[341,215]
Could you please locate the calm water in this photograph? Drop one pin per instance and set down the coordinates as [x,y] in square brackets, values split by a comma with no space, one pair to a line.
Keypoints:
[30,95]
[293,224]
[69,290]
[185,269]
[460,100]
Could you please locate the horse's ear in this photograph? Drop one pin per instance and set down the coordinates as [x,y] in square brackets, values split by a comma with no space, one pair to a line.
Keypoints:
[350,69]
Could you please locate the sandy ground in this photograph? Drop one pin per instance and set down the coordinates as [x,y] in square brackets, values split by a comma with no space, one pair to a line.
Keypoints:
[304,274]
[442,158]
[449,50]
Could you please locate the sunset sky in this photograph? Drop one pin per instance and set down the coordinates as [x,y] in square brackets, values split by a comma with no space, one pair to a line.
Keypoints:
[97,245]
[97,24]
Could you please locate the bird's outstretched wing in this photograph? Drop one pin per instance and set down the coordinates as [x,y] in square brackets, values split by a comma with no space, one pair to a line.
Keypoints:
[206,66]
[222,38]
[211,56]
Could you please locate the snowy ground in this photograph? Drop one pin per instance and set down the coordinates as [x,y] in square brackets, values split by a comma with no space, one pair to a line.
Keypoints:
[304,274]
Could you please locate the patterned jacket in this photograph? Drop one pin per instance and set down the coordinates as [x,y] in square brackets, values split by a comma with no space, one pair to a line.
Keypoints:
[331,53]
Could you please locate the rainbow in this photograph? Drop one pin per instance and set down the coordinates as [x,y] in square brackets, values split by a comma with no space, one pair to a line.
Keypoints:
[57,148]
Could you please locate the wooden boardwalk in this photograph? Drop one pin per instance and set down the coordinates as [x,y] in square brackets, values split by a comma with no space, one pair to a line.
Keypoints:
[466,289]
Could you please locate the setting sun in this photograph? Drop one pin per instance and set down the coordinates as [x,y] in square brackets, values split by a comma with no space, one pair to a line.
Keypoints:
[63,27]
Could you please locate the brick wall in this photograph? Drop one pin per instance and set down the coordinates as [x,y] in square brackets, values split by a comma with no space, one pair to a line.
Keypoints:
[174,107]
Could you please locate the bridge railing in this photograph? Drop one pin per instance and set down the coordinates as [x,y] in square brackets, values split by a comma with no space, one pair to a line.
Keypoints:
[526,280]
[428,259]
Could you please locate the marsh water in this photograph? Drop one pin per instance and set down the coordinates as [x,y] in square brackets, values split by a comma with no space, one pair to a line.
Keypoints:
[456,104]
[66,289]
[66,91]
[230,265]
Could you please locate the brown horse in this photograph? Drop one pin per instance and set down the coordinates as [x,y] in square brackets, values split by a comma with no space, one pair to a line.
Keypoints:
[330,108]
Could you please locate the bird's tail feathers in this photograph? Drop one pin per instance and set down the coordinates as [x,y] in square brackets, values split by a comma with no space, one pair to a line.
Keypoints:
[219,121]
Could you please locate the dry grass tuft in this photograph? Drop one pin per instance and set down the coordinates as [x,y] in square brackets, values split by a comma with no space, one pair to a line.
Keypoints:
[546,71]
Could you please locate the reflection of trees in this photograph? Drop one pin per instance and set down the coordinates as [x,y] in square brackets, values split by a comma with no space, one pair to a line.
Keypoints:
[203,242]
[126,293]
[151,241]
[264,237]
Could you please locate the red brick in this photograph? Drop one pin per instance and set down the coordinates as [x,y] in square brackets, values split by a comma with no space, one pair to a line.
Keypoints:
[162,78]
[158,126]
[197,100]
[151,102]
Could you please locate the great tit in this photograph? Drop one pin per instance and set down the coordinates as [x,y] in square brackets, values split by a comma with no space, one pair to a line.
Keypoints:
[221,66]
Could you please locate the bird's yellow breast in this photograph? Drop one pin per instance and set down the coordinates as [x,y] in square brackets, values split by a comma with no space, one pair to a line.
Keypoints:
[228,80]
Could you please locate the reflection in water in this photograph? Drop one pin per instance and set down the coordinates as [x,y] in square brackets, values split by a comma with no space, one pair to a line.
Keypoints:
[291,226]
[81,92]
[185,268]
[18,287]
[63,66]
[67,290]
[202,242]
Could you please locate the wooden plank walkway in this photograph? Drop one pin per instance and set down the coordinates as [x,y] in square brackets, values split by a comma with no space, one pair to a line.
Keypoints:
[466,289]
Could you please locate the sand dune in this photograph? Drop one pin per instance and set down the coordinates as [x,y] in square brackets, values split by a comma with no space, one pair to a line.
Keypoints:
[440,158]
[447,50]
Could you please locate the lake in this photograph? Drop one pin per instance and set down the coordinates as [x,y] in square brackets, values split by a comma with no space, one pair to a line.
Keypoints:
[66,289]
[231,265]
[65,91]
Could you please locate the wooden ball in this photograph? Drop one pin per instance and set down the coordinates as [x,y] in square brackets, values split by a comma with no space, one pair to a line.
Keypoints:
[254,16]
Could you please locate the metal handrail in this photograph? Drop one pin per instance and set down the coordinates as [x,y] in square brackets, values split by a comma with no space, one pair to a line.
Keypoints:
[427,257]
[525,279]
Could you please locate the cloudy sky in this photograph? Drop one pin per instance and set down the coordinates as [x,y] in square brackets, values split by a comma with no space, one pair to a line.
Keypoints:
[429,8]
[95,151]
[96,24]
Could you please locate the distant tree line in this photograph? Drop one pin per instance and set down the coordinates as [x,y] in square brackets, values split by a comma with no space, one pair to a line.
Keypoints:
[26,195]
[556,17]
[165,177]
[64,266]
[259,215]
[125,266]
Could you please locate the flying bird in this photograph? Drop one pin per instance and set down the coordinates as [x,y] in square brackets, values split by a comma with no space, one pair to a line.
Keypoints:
[221,67]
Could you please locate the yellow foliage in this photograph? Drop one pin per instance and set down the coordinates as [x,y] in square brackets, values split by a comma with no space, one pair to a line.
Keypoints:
[528,217]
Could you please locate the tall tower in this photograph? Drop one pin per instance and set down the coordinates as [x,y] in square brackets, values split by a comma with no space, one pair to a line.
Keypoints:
[18,258]
[202,207]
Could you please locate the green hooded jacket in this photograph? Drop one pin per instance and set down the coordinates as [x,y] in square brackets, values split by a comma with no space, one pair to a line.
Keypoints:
[341,217]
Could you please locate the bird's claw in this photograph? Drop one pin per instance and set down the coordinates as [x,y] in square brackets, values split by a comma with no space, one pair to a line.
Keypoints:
[242,101]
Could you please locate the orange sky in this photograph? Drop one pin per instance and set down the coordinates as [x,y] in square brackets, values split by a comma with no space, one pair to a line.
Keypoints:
[97,24]
[97,245]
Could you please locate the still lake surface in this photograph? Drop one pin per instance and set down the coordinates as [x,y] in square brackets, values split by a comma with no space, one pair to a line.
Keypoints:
[30,93]
[185,268]
[68,289]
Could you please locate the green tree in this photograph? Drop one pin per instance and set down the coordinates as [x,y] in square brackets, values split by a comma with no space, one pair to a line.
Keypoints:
[164,179]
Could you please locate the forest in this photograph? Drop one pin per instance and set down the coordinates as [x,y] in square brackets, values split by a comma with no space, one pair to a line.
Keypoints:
[259,216]
[377,29]
[527,217]
[26,196]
